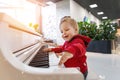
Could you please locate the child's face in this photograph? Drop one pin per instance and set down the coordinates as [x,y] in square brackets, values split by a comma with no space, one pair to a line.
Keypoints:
[67,31]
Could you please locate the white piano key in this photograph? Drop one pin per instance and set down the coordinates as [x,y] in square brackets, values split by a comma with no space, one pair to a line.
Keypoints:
[53,59]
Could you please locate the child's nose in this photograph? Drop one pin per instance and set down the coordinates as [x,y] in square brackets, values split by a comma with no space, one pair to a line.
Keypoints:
[63,33]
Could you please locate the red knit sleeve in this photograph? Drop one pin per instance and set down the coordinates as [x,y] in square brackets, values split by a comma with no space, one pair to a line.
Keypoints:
[58,49]
[76,49]
[71,49]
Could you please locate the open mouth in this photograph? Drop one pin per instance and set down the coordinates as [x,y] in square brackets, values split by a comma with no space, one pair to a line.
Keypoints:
[66,36]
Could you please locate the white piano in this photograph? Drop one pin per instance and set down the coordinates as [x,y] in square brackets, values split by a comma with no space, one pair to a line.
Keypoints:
[18,47]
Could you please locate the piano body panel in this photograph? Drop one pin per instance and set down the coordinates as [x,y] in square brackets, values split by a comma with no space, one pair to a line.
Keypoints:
[54,77]
[7,71]
[10,72]
[13,66]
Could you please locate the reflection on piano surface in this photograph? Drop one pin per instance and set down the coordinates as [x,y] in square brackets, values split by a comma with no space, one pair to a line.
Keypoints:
[21,57]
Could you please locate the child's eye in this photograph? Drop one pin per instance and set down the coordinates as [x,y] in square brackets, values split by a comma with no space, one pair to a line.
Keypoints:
[66,29]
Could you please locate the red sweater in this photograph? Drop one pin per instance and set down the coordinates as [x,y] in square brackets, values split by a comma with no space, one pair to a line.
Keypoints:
[77,46]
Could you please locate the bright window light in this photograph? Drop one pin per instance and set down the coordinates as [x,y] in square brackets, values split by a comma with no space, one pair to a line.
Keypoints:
[104,17]
[93,6]
[22,10]
[49,3]
[100,13]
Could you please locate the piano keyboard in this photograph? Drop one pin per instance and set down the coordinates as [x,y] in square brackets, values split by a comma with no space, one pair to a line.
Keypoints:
[44,60]
[41,59]
[32,55]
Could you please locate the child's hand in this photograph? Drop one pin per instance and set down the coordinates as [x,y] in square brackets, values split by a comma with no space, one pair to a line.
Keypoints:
[58,54]
[65,57]
[52,44]
[46,50]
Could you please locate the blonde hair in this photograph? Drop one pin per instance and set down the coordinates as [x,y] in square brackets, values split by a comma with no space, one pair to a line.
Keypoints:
[71,21]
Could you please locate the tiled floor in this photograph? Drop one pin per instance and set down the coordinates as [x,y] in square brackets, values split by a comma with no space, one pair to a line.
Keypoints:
[105,66]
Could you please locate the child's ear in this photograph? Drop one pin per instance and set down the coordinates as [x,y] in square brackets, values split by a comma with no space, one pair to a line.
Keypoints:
[76,29]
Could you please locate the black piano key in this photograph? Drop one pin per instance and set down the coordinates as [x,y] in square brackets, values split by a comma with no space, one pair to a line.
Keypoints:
[39,62]
[43,66]
[41,59]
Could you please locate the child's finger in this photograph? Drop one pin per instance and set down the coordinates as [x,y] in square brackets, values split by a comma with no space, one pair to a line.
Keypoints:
[62,60]
[65,57]
[58,54]
[46,50]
